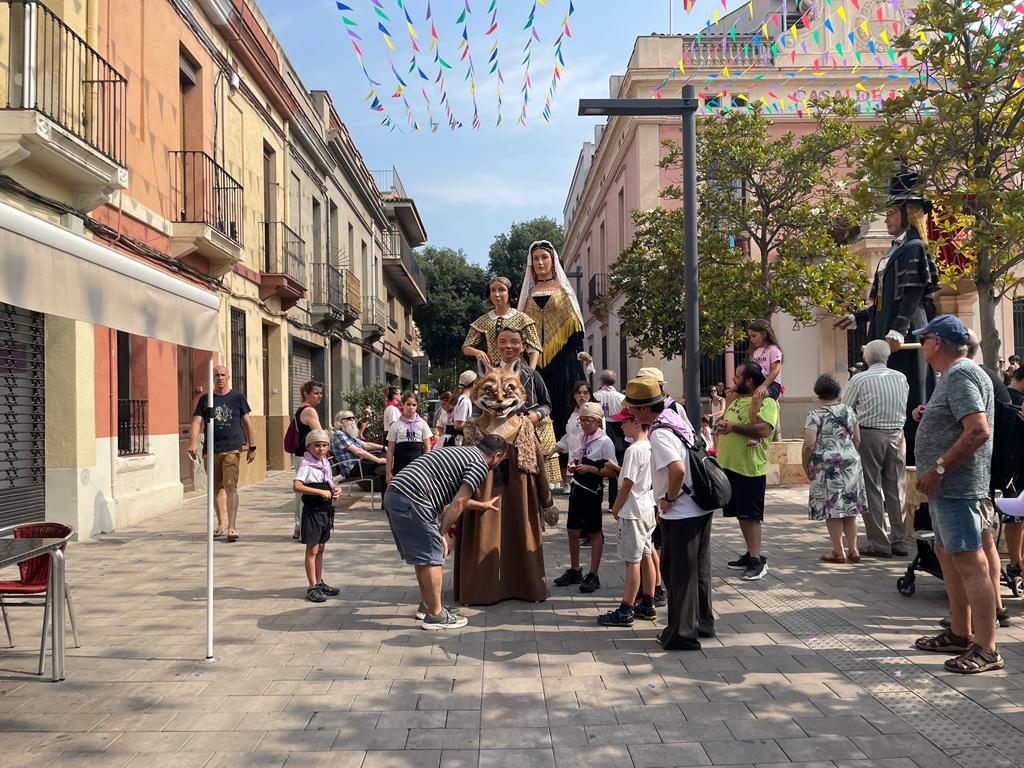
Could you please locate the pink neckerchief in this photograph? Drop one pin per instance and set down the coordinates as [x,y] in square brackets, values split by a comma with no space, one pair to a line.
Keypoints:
[410,426]
[309,460]
[587,441]
[672,420]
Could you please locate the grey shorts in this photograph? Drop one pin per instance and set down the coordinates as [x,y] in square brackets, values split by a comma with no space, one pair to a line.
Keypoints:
[416,534]
[635,538]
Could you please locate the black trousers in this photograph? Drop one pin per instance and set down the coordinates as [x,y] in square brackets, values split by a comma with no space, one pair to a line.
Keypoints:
[686,571]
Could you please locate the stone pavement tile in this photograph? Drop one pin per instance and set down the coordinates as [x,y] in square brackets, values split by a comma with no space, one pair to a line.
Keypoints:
[427,719]
[341,672]
[892,762]
[223,741]
[605,757]
[128,721]
[381,701]
[236,687]
[812,764]
[247,760]
[745,751]
[268,721]
[555,684]
[298,741]
[353,687]
[853,725]
[324,759]
[569,736]
[90,759]
[911,745]
[711,713]
[185,704]
[367,739]
[463,718]
[515,758]
[587,716]
[765,729]
[509,738]
[441,700]
[150,742]
[25,759]
[667,755]
[748,693]
[707,731]
[784,710]
[510,684]
[254,703]
[444,738]
[598,735]
[70,742]
[821,748]
[166,760]
[656,713]
[203,721]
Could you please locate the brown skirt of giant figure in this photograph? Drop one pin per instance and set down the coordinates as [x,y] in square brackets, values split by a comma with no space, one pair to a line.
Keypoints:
[499,555]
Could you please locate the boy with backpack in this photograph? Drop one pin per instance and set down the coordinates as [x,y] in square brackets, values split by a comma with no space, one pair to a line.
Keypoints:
[686,524]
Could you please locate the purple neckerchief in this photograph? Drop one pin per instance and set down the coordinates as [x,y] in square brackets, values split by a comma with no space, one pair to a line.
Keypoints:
[309,460]
[587,441]
[674,421]
[410,426]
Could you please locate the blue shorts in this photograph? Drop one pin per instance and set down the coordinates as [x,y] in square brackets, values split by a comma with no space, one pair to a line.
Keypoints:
[957,523]
[415,531]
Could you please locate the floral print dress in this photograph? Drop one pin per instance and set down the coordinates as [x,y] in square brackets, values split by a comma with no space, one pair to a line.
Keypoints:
[837,481]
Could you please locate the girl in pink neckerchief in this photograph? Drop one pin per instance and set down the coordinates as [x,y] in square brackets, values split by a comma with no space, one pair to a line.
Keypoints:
[408,438]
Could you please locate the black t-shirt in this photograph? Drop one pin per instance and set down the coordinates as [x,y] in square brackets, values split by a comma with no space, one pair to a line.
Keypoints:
[228,410]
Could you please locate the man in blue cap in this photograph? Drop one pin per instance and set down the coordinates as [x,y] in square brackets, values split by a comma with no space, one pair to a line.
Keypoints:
[954,452]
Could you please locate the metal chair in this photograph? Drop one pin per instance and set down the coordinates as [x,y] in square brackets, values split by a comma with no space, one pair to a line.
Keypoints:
[354,481]
[35,574]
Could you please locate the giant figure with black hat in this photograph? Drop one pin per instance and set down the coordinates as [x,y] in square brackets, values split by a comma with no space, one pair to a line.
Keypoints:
[900,298]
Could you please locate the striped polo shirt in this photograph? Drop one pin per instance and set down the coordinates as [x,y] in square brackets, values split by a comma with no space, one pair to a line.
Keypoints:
[879,397]
[432,480]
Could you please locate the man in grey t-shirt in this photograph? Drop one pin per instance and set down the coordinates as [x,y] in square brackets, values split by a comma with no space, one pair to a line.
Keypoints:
[954,451]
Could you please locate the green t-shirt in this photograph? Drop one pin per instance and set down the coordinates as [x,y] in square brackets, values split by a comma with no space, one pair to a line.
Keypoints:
[733,452]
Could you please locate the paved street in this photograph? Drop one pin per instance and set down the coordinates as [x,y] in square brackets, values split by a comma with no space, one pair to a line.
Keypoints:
[812,667]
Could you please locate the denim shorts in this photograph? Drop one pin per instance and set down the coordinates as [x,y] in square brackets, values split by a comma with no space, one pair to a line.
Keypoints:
[416,533]
[957,523]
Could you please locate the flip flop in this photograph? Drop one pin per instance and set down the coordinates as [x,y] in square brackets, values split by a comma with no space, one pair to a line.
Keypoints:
[853,556]
[833,559]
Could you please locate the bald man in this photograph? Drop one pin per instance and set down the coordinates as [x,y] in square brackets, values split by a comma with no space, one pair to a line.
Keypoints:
[232,431]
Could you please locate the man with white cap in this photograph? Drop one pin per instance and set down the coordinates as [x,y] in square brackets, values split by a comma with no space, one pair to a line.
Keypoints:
[463,409]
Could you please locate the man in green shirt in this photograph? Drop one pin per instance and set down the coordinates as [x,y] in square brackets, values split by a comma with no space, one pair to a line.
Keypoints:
[748,418]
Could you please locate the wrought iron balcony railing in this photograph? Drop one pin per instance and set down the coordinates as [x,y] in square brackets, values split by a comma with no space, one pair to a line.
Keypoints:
[204,193]
[284,252]
[597,288]
[51,70]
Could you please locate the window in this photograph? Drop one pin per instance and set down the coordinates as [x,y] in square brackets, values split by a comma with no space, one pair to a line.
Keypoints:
[1018,327]
[238,357]
[623,358]
[604,351]
[601,249]
[352,245]
[131,412]
[622,220]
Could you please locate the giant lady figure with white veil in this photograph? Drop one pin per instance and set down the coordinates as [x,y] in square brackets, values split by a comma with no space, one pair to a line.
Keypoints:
[549,300]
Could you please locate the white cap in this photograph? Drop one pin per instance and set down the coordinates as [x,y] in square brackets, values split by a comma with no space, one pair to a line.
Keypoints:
[466,378]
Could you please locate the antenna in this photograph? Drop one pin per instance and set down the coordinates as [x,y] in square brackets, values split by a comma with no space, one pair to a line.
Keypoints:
[670,16]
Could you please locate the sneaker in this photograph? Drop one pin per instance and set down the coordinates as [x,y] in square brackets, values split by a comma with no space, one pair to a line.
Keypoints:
[421,610]
[616,618]
[591,583]
[571,576]
[660,597]
[741,564]
[584,541]
[645,612]
[1003,617]
[314,595]
[444,620]
[328,590]
[757,570]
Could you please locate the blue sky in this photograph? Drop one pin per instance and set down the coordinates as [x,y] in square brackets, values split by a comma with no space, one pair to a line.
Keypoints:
[472,184]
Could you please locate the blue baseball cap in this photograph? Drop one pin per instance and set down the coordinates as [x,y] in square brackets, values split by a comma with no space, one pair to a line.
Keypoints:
[948,327]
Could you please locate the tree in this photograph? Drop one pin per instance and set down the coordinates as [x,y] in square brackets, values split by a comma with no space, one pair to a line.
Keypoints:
[771,214]
[457,291]
[508,252]
[960,126]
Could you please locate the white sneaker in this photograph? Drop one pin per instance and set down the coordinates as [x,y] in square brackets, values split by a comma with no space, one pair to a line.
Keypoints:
[444,620]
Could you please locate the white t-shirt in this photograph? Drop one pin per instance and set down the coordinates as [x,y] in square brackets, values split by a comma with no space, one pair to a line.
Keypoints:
[636,466]
[401,432]
[391,414]
[666,448]
[602,448]
[308,475]
[463,409]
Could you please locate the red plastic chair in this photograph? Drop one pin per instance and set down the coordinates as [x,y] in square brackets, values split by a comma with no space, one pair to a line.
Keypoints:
[35,574]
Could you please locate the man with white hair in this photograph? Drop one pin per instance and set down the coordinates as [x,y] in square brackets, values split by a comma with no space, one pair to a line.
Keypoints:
[878,396]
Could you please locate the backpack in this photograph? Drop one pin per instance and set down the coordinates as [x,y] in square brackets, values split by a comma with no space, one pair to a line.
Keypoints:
[291,437]
[708,486]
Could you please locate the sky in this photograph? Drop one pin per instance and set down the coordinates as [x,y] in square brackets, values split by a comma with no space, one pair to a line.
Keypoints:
[471,185]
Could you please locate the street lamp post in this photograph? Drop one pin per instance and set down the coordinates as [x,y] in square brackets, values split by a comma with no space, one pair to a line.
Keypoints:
[686,109]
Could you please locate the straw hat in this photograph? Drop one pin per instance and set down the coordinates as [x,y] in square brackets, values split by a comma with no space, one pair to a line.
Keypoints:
[651,373]
[643,392]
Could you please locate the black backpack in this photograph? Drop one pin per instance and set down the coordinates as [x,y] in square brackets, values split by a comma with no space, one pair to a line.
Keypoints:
[708,486]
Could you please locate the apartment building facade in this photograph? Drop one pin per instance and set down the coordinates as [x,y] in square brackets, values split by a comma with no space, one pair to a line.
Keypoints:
[202,156]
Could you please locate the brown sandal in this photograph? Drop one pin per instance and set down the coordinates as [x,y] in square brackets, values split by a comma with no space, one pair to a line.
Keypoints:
[833,558]
[974,660]
[853,555]
[945,642]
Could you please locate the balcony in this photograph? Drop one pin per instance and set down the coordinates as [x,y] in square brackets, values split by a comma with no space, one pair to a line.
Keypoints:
[335,301]
[62,105]
[375,318]
[597,289]
[207,211]
[400,264]
[284,264]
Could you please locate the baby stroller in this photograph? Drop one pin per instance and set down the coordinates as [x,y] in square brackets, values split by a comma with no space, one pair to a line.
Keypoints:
[925,561]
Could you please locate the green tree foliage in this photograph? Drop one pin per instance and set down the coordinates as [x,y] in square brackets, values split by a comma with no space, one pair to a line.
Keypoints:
[771,214]
[507,255]
[457,296]
[961,127]
[375,396]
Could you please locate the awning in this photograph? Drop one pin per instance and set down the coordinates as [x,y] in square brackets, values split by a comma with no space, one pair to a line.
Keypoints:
[48,269]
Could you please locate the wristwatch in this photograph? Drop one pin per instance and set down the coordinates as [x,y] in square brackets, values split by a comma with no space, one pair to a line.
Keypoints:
[940,466]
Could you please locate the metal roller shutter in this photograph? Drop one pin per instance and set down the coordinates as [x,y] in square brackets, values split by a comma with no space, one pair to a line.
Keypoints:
[22,416]
[300,371]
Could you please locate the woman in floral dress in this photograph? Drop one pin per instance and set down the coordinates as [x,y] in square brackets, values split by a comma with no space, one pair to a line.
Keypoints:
[832,464]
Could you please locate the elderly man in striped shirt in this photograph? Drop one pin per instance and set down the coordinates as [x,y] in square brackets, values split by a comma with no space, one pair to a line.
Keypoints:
[878,396]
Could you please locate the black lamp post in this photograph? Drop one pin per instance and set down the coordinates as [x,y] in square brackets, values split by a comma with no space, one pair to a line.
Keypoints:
[685,108]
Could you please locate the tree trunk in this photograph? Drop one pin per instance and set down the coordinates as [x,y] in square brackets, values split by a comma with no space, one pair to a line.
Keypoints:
[990,341]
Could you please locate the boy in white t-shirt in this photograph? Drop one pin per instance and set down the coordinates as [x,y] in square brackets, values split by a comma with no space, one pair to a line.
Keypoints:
[634,509]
